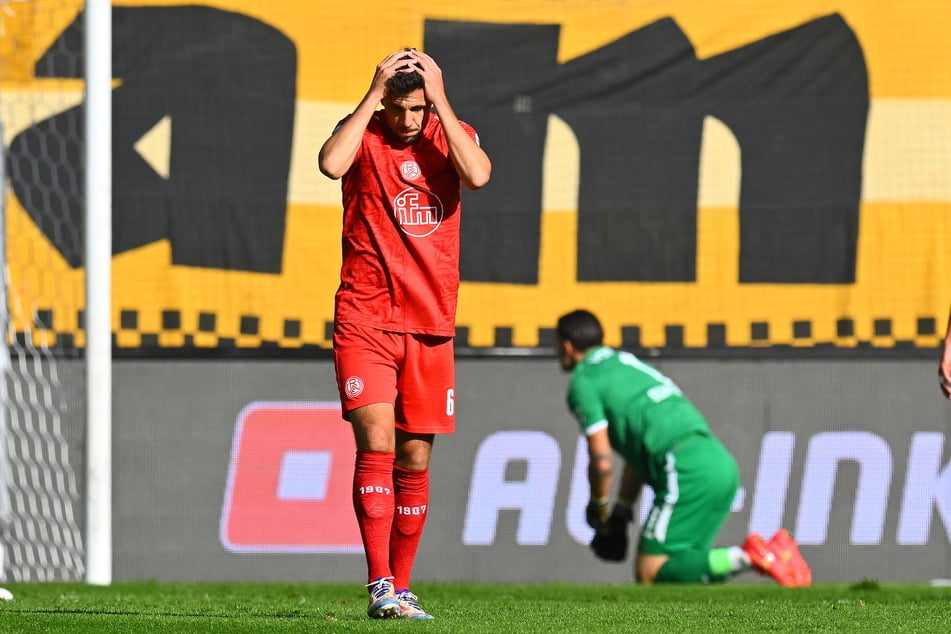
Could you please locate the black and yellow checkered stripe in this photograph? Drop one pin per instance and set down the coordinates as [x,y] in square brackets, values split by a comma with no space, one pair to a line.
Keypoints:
[131,340]
[629,337]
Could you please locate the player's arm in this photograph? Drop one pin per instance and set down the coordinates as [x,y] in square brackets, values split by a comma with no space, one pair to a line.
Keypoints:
[471,162]
[610,541]
[630,488]
[338,152]
[612,535]
[600,475]
[944,368]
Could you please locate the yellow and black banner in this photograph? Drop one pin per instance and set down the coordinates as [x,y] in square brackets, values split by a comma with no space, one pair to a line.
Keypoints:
[700,175]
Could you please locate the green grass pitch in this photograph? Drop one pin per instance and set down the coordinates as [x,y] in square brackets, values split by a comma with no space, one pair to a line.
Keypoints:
[508,608]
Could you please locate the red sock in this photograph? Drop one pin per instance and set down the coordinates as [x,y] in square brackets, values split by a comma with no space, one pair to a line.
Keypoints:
[412,502]
[373,503]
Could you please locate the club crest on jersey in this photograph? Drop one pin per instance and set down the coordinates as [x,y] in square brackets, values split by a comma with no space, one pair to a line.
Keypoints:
[353,386]
[410,170]
[418,213]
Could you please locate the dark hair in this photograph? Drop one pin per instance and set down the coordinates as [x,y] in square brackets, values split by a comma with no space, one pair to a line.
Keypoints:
[581,328]
[404,83]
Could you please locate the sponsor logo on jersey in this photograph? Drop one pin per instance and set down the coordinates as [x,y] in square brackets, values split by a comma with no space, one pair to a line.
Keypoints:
[418,213]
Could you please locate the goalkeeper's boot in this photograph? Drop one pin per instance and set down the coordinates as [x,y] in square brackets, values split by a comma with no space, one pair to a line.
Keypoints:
[761,557]
[383,601]
[779,558]
[790,564]
[409,608]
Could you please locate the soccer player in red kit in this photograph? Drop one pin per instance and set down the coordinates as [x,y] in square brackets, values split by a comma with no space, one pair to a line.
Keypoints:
[395,309]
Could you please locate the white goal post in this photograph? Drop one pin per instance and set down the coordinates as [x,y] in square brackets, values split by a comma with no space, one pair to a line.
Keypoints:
[46,440]
[98,259]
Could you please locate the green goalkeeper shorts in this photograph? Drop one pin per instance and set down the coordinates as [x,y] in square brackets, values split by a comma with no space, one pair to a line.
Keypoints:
[700,481]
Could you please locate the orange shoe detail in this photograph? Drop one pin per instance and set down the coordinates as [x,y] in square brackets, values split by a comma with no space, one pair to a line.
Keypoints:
[791,569]
[759,553]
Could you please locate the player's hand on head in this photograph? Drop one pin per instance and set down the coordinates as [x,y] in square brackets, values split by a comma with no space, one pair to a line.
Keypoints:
[429,70]
[393,63]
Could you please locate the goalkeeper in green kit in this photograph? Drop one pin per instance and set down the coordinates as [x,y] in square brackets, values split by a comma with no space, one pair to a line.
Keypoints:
[626,406]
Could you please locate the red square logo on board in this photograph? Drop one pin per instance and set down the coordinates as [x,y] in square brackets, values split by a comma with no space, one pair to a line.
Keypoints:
[290,481]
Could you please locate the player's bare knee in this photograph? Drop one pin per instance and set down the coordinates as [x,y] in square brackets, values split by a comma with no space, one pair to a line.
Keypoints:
[645,577]
[412,461]
[413,452]
[647,567]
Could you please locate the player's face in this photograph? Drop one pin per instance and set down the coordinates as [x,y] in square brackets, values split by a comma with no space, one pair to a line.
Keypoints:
[406,114]
[565,353]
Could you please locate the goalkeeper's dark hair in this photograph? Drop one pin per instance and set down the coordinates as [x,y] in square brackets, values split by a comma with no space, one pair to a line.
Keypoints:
[581,328]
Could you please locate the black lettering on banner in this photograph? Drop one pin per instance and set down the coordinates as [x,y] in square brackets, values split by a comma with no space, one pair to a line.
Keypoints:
[228,84]
[796,101]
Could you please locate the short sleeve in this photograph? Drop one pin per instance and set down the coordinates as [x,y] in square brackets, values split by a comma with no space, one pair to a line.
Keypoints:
[471,132]
[585,405]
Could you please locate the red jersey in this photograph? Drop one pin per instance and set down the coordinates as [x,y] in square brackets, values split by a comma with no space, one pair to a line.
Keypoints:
[401,212]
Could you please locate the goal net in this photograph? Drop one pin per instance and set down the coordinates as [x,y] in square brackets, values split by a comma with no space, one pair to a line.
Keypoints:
[41,408]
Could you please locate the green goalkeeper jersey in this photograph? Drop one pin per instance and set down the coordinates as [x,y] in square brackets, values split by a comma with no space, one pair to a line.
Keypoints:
[645,413]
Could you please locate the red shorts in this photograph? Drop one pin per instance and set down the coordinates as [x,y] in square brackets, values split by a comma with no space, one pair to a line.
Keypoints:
[416,373]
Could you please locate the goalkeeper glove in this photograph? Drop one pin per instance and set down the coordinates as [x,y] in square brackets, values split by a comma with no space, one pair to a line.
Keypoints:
[623,512]
[596,513]
[611,539]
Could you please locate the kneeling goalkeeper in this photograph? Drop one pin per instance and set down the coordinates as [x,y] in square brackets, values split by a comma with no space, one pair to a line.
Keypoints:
[624,405]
